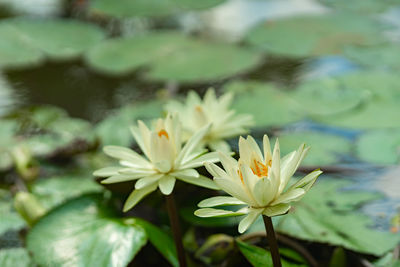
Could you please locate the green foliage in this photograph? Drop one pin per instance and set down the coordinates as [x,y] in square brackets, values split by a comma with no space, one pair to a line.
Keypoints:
[15,257]
[172,56]
[268,105]
[325,149]
[10,220]
[361,6]
[84,232]
[314,35]
[328,215]
[28,41]
[145,8]
[380,147]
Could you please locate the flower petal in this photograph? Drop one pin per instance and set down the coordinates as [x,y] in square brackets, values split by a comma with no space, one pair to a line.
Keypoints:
[291,195]
[200,161]
[307,181]
[267,149]
[249,219]
[126,154]
[263,191]
[234,189]
[137,195]
[219,201]
[107,171]
[210,212]
[148,180]
[215,171]
[188,173]
[200,181]
[166,184]
[192,144]
[163,166]
[121,178]
[276,210]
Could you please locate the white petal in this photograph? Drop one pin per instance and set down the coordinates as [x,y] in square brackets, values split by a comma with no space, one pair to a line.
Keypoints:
[307,181]
[254,147]
[244,151]
[267,149]
[121,178]
[276,161]
[148,180]
[188,173]
[107,171]
[292,166]
[166,184]
[220,145]
[126,154]
[200,161]
[249,219]
[210,212]
[163,166]
[192,144]
[289,196]
[219,201]
[234,189]
[276,210]
[200,181]
[135,171]
[249,179]
[215,171]
[137,195]
[230,165]
[263,191]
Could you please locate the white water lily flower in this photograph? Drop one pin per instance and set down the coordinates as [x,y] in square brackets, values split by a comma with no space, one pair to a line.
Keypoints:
[164,160]
[196,113]
[258,181]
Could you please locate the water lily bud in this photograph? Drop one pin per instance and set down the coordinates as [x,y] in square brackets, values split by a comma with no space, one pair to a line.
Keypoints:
[215,249]
[28,207]
[25,163]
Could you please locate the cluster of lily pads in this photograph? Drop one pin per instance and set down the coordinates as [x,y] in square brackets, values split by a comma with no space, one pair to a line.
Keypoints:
[53,211]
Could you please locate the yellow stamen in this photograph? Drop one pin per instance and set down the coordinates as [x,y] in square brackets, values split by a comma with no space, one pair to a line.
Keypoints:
[260,169]
[240,175]
[198,108]
[163,133]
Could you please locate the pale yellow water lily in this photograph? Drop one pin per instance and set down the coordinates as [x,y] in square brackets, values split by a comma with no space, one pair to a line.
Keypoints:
[195,113]
[164,160]
[258,181]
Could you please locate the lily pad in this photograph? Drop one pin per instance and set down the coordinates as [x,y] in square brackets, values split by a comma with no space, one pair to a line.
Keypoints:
[13,257]
[380,147]
[54,191]
[361,6]
[268,105]
[84,232]
[10,219]
[325,149]
[172,56]
[328,214]
[327,96]
[383,56]
[147,8]
[7,97]
[27,41]
[114,130]
[315,35]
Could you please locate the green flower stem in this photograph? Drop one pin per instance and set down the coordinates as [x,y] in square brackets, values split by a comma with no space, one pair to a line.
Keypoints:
[176,229]
[273,244]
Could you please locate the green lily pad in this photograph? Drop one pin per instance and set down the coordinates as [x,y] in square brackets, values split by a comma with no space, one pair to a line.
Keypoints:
[114,130]
[10,219]
[325,149]
[13,257]
[84,232]
[269,106]
[147,8]
[27,41]
[329,215]
[314,35]
[327,96]
[380,147]
[361,6]
[54,191]
[383,56]
[172,56]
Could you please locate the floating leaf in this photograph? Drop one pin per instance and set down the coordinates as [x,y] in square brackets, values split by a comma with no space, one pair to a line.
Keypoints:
[314,35]
[84,232]
[27,41]
[328,215]
[7,97]
[10,219]
[172,56]
[54,191]
[269,106]
[147,8]
[327,96]
[383,56]
[361,6]
[381,147]
[325,149]
[114,130]
[13,257]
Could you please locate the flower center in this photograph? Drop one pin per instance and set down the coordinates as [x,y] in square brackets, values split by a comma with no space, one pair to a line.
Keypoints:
[163,132]
[260,169]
